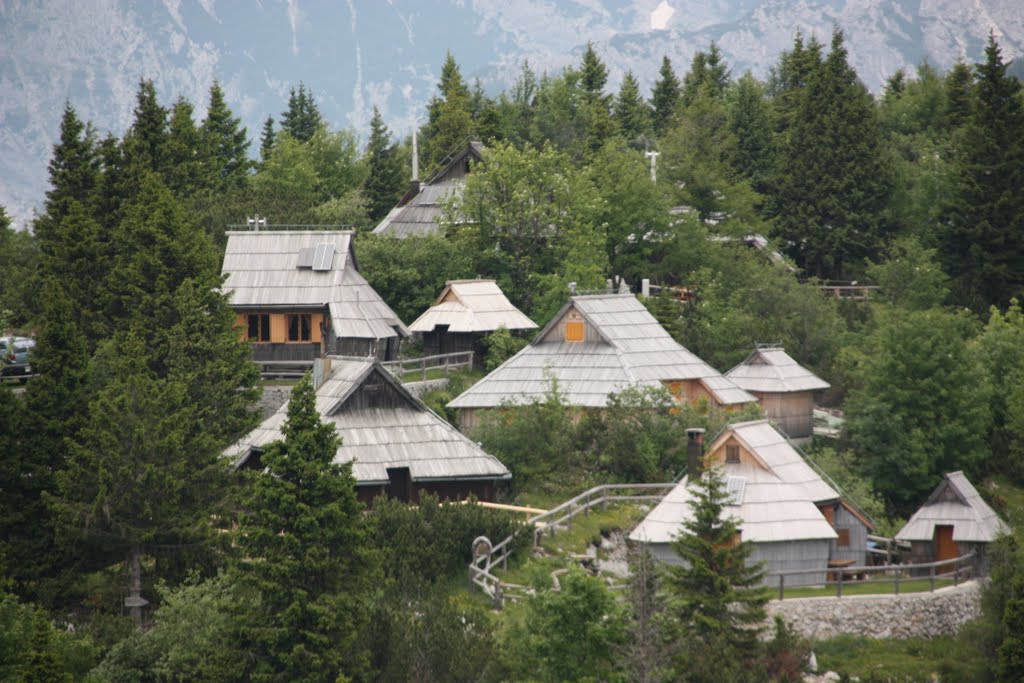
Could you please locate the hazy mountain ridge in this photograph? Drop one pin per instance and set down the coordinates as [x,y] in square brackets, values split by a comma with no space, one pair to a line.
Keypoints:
[365,53]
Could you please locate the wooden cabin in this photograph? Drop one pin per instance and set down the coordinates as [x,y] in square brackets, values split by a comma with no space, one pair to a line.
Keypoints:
[419,212]
[954,521]
[792,516]
[397,446]
[785,389]
[464,313]
[597,345]
[299,296]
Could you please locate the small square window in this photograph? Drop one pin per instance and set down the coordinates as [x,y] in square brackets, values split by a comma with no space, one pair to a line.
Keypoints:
[574,331]
[299,327]
[732,454]
[259,327]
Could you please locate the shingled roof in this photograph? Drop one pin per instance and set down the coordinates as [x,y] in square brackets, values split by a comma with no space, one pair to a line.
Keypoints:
[472,306]
[377,438]
[772,370]
[418,213]
[777,492]
[628,347]
[263,271]
[954,501]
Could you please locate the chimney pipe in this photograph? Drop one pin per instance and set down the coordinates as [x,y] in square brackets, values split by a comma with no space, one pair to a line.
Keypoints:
[694,452]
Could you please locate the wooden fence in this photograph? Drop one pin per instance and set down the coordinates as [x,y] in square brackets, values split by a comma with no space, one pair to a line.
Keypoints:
[548,523]
[959,569]
[427,366]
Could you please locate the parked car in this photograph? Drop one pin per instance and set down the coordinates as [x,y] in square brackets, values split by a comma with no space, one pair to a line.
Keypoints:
[14,356]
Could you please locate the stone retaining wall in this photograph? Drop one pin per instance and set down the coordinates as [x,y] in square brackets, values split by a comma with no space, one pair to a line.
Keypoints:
[912,615]
[274,396]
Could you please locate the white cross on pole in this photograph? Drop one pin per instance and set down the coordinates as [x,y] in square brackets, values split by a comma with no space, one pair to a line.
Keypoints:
[653,156]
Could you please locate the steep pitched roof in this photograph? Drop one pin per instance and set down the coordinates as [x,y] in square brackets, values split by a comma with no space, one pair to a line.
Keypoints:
[780,492]
[629,348]
[472,306]
[377,438]
[772,370]
[262,269]
[954,501]
[418,214]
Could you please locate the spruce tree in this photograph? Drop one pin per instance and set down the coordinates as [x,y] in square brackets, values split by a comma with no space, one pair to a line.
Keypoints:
[302,117]
[73,168]
[715,595]
[226,142]
[983,239]
[665,96]
[708,73]
[449,123]
[631,111]
[306,549]
[593,74]
[597,107]
[189,169]
[267,139]
[832,182]
[750,124]
[384,183]
[144,143]
[960,94]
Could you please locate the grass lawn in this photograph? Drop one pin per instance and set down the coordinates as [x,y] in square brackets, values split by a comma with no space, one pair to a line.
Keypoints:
[914,659]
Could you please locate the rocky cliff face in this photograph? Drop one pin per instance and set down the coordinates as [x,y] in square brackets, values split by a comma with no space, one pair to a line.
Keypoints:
[356,55]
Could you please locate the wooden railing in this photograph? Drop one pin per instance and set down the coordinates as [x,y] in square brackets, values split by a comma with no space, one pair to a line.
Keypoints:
[284,368]
[419,368]
[851,292]
[960,568]
[548,523]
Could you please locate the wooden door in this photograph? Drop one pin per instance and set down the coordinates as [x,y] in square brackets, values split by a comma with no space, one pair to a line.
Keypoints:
[945,547]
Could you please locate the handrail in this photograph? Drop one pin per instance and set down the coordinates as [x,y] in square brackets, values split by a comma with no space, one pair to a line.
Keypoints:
[448,361]
[841,572]
[480,567]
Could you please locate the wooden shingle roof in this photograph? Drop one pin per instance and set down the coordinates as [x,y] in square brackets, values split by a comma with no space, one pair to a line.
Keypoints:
[779,496]
[262,271]
[472,306]
[375,438]
[628,347]
[772,370]
[954,502]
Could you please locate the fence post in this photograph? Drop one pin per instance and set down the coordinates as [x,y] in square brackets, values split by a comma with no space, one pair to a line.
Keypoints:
[839,584]
[931,579]
[897,584]
[782,586]
[423,364]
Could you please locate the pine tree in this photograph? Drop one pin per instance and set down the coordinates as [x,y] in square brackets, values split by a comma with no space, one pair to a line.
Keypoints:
[665,97]
[306,546]
[983,239]
[708,73]
[74,168]
[189,169]
[144,143]
[302,117]
[594,74]
[226,142]
[959,94]
[384,183]
[715,594]
[831,185]
[789,79]
[267,139]
[596,107]
[631,111]
[750,124]
[449,124]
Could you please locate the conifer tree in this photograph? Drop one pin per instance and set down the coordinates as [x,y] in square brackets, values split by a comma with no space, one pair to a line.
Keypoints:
[715,594]
[306,546]
[789,79]
[831,185]
[73,169]
[226,142]
[750,124]
[983,239]
[189,168]
[302,117]
[631,111]
[144,143]
[665,96]
[449,124]
[384,183]
[593,74]
[708,73]
[959,94]
[597,107]
[267,139]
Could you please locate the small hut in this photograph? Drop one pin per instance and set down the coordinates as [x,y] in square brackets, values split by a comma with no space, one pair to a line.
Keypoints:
[785,389]
[596,345]
[953,521]
[298,296]
[419,211]
[465,312]
[794,518]
[397,446]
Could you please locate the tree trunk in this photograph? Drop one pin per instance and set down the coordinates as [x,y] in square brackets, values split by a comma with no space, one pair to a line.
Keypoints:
[135,585]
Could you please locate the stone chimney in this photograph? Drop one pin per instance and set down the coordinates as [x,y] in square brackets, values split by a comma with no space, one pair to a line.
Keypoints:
[694,452]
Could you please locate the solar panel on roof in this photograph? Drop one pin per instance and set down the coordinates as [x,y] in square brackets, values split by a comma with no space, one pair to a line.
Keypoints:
[305,257]
[324,256]
[734,488]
